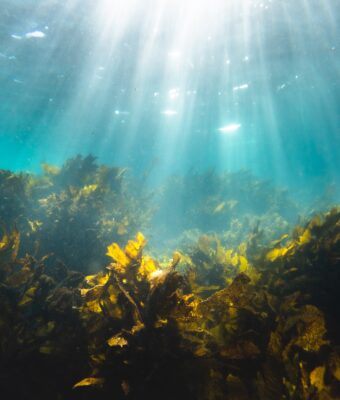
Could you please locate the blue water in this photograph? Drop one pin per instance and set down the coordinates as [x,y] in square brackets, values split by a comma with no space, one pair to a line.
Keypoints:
[223,117]
[176,85]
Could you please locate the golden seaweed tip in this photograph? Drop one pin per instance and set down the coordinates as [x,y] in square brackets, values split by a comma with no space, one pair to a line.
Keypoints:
[132,250]
[91,381]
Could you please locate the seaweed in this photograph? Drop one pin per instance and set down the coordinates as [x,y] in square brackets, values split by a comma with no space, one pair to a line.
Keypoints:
[86,313]
[217,202]
[73,211]
[14,198]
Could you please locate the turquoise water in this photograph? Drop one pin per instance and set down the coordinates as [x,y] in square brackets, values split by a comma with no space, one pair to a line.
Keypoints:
[174,86]
[169,199]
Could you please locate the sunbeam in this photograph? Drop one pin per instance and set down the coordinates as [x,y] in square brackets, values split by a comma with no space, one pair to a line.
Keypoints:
[169,199]
[131,80]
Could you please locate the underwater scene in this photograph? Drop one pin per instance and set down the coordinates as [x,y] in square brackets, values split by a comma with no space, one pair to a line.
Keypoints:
[170,199]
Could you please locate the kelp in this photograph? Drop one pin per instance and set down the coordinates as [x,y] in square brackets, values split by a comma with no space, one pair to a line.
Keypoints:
[14,196]
[147,320]
[39,325]
[231,204]
[219,319]
[302,280]
[84,202]
[144,329]
[73,211]
[211,265]
[309,260]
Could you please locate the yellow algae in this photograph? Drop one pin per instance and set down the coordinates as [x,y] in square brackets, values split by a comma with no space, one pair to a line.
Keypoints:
[89,382]
[274,254]
[244,265]
[317,377]
[117,340]
[134,247]
[147,267]
[28,296]
[305,237]
[118,255]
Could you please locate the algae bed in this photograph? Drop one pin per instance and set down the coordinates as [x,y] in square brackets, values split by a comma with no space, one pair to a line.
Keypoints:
[243,305]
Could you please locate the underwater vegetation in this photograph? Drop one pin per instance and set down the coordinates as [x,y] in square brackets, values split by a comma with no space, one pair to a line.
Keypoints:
[230,204]
[248,310]
[268,327]
[73,212]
